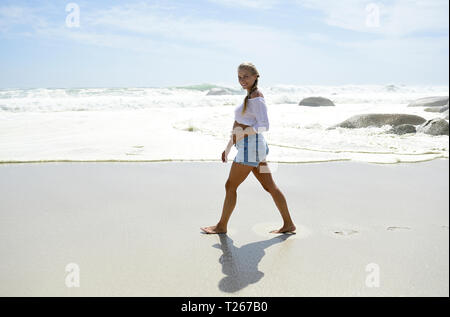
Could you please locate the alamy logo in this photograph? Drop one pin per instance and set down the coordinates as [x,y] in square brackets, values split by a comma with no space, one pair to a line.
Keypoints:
[373,278]
[73,18]
[73,276]
[373,16]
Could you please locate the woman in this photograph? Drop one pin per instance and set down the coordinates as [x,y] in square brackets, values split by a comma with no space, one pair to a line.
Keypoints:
[250,120]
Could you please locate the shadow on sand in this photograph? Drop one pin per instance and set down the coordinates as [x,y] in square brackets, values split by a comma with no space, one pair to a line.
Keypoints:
[241,264]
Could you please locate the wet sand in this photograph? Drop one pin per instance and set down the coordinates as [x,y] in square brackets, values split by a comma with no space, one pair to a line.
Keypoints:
[132,229]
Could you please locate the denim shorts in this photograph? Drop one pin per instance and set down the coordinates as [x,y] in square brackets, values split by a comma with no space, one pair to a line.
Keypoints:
[252,150]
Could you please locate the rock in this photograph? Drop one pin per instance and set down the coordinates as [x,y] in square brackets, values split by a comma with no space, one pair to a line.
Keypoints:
[430,102]
[316,102]
[444,111]
[432,109]
[379,120]
[436,126]
[402,129]
[391,88]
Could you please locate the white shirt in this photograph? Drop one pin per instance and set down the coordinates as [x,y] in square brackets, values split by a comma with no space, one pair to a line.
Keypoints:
[255,115]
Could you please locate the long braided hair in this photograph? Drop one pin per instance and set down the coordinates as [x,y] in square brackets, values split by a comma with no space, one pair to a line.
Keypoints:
[249,66]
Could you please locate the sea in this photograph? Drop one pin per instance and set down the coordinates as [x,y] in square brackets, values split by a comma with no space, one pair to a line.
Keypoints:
[188,123]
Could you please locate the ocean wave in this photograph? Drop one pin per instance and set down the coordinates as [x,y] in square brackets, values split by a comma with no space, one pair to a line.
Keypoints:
[116,98]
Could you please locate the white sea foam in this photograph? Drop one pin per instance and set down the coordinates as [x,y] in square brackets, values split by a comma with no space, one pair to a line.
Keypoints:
[184,123]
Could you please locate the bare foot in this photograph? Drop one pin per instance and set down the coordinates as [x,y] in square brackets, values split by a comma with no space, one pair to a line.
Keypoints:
[213,229]
[285,229]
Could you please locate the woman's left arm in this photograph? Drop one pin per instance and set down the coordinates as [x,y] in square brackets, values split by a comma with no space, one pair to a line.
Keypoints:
[241,130]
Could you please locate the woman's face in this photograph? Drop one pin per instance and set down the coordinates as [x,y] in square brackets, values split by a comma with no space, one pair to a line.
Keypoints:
[246,79]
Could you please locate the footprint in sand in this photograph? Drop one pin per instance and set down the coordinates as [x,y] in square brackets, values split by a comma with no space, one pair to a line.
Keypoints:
[397,228]
[346,232]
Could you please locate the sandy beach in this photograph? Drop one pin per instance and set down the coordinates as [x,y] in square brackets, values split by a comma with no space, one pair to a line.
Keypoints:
[132,229]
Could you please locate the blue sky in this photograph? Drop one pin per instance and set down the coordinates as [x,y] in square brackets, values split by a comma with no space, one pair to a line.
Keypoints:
[180,42]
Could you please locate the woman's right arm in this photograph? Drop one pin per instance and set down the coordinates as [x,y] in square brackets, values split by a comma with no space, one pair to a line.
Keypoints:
[229,145]
[233,138]
[235,131]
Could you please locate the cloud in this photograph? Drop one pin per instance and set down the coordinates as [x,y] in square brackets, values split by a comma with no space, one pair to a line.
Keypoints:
[191,38]
[12,16]
[145,21]
[397,18]
[401,49]
[162,30]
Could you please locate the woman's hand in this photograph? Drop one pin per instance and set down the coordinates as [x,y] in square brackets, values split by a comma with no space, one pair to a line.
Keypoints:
[227,150]
[224,156]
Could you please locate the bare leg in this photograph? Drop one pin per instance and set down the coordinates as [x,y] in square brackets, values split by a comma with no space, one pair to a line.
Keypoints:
[280,201]
[268,184]
[238,173]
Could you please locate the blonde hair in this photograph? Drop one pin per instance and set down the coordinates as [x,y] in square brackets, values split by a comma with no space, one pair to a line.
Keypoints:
[252,69]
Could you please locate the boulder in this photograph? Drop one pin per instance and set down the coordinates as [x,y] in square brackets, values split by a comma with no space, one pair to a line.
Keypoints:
[402,129]
[391,88]
[436,126]
[316,102]
[379,120]
[430,102]
[432,109]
